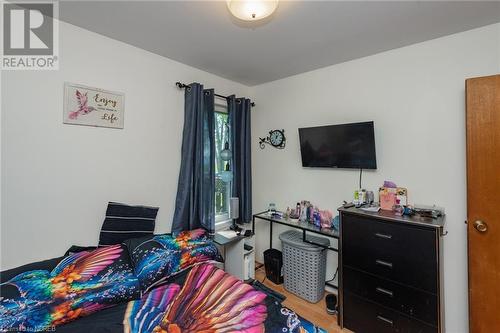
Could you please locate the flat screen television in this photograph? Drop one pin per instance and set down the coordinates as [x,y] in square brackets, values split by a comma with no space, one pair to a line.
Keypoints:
[339,146]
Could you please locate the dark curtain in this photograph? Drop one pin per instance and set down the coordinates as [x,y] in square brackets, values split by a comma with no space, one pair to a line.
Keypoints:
[239,119]
[194,205]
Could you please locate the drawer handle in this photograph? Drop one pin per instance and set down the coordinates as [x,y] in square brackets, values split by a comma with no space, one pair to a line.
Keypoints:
[384,291]
[384,236]
[385,320]
[383,263]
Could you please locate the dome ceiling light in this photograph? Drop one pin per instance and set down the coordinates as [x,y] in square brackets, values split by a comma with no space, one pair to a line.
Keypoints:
[252,10]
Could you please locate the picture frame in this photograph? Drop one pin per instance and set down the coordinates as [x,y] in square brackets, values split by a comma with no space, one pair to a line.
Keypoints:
[90,106]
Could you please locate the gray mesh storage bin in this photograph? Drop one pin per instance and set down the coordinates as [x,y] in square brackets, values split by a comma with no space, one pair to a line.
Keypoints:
[304,265]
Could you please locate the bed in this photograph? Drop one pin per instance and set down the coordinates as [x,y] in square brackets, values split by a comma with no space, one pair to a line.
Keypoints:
[159,284]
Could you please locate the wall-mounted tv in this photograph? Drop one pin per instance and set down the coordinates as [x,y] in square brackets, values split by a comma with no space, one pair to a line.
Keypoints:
[339,146]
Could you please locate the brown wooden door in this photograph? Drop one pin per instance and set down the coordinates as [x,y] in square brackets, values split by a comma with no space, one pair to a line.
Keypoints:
[483,202]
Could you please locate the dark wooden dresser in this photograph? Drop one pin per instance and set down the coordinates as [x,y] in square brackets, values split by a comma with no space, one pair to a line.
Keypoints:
[390,272]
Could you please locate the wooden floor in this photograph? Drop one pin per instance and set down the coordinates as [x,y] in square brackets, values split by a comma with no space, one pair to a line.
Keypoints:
[315,313]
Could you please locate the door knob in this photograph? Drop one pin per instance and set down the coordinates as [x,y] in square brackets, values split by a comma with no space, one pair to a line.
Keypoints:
[480,226]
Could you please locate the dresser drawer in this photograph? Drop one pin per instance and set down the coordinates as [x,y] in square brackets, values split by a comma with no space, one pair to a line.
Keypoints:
[362,316]
[403,253]
[412,302]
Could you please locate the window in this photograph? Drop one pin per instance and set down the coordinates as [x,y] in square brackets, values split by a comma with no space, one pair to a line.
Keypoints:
[222,176]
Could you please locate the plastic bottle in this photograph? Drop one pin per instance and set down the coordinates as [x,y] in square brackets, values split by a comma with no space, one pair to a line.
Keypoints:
[303,212]
[397,208]
[317,217]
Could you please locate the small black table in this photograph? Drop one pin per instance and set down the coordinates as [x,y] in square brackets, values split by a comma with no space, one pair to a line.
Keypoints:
[302,225]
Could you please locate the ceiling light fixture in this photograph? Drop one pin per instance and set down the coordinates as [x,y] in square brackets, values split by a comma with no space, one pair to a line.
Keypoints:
[252,10]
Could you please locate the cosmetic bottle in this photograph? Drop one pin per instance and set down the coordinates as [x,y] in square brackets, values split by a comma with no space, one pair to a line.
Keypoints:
[317,217]
[397,208]
[303,212]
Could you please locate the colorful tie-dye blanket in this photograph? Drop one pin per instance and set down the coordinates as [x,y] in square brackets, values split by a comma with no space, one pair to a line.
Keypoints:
[211,300]
[99,291]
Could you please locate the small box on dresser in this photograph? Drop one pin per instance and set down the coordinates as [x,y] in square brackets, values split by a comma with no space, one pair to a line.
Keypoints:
[390,272]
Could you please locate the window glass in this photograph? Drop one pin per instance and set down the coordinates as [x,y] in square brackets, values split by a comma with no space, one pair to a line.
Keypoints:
[222,176]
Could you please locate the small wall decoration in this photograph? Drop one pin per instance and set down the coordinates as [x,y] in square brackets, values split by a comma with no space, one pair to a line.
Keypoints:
[93,106]
[276,139]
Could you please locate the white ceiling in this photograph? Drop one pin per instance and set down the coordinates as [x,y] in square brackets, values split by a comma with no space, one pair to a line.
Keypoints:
[301,36]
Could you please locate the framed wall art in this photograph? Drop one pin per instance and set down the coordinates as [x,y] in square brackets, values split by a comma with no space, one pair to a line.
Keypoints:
[93,106]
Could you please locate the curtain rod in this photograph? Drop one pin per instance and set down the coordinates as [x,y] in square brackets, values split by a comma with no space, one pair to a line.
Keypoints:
[181,85]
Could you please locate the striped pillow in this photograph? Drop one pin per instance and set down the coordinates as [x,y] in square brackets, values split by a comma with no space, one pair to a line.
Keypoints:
[123,222]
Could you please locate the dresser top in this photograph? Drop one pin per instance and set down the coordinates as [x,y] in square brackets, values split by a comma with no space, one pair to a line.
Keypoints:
[390,216]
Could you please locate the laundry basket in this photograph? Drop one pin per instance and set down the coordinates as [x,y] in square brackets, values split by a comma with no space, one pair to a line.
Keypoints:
[304,265]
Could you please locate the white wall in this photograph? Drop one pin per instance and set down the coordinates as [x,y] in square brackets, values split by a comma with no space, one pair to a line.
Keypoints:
[415,95]
[56,178]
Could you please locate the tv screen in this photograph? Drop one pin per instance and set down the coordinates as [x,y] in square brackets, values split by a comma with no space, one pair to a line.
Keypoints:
[339,146]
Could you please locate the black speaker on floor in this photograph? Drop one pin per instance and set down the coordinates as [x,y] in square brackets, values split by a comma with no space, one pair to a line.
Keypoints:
[273,261]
